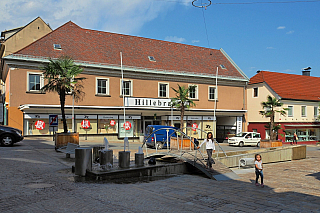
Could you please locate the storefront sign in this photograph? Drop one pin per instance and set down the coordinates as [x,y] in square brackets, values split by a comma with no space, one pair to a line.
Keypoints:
[112,122]
[128,117]
[239,124]
[208,118]
[176,118]
[114,117]
[194,126]
[40,124]
[85,124]
[147,102]
[127,125]
[86,116]
[194,118]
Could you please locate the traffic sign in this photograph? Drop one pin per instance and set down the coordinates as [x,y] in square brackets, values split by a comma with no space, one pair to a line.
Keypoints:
[53,120]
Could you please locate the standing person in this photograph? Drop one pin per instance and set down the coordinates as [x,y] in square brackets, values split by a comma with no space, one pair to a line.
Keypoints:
[259,167]
[210,147]
[295,138]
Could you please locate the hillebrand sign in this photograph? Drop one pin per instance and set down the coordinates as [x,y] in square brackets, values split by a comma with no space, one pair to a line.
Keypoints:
[147,102]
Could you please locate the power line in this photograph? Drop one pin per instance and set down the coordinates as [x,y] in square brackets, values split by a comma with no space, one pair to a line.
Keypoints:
[269,2]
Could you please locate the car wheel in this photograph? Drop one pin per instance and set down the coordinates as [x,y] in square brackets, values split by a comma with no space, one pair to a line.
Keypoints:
[241,144]
[258,144]
[7,140]
[159,145]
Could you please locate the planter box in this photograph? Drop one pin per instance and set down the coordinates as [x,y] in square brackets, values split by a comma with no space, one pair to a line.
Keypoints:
[185,144]
[62,139]
[268,144]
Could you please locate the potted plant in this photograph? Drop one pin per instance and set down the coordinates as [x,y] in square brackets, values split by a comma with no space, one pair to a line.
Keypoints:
[61,77]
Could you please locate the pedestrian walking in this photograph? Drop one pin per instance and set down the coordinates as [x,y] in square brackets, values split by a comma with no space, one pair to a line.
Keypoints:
[295,138]
[210,147]
[258,168]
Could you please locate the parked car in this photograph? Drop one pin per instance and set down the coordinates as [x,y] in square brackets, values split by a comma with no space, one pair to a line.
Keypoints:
[245,138]
[159,137]
[10,135]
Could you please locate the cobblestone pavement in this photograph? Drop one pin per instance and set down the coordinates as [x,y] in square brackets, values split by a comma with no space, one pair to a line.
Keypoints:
[35,178]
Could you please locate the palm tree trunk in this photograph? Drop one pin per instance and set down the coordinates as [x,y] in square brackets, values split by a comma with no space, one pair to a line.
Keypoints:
[62,103]
[272,138]
[181,122]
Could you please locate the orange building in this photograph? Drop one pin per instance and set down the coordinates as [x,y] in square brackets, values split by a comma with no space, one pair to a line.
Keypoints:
[150,69]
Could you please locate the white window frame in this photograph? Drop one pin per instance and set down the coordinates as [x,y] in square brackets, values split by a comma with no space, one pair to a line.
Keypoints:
[196,91]
[254,92]
[131,87]
[167,90]
[305,115]
[28,81]
[289,110]
[107,86]
[215,93]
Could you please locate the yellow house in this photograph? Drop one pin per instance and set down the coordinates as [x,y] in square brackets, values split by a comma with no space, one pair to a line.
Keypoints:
[300,94]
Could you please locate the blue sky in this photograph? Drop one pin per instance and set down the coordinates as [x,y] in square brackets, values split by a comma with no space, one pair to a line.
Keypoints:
[282,37]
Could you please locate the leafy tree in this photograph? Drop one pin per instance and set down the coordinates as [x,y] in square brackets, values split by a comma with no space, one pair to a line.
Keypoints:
[270,110]
[61,76]
[182,100]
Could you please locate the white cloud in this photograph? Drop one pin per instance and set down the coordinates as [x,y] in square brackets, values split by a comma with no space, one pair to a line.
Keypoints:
[290,32]
[120,16]
[281,27]
[175,39]
[195,41]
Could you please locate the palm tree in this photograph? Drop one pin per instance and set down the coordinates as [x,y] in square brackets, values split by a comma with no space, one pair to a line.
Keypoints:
[269,107]
[182,101]
[61,78]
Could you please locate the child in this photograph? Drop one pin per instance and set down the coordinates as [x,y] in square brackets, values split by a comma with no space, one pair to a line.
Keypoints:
[259,167]
[209,147]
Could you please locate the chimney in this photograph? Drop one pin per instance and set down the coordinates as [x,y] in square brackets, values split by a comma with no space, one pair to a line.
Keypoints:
[306,71]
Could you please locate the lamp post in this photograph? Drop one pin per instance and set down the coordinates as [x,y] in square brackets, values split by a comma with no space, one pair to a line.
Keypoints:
[214,127]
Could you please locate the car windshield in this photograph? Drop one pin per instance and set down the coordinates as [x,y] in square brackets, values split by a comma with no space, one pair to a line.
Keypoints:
[241,134]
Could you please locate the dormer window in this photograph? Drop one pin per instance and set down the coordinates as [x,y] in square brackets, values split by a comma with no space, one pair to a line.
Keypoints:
[151,58]
[57,46]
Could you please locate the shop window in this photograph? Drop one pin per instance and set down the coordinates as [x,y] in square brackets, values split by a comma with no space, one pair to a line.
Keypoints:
[303,111]
[126,88]
[102,86]
[107,126]
[163,90]
[255,92]
[35,81]
[212,93]
[290,111]
[193,91]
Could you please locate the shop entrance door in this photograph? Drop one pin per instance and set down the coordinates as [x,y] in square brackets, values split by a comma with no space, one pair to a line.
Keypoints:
[150,122]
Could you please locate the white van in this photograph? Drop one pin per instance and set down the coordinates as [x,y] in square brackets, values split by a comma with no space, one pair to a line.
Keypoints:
[245,138]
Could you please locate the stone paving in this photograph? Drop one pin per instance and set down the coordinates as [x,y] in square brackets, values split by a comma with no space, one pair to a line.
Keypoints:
[35,178]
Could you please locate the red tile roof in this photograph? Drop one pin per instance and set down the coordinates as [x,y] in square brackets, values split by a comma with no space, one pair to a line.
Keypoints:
[289,86]
[104,47]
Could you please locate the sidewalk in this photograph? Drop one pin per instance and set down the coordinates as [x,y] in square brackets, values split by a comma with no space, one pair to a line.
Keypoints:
[35,178]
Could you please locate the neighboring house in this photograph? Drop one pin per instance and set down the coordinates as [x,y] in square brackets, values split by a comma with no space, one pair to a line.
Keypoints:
[299,93]
[15,39]
[150,68]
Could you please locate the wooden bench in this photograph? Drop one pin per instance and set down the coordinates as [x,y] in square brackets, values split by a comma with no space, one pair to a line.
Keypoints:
[246,162]
[69,149]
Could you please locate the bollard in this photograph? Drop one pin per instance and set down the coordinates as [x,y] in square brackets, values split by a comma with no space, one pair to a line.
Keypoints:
[106,157]
[139,159]
[124,159]
[83,161]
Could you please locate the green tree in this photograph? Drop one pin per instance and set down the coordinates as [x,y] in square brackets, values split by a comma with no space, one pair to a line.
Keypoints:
[270,110]
[182,100]
[61,77]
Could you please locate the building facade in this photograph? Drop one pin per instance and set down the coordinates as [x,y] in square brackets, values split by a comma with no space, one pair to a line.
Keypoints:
[150,69]
[300,94]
